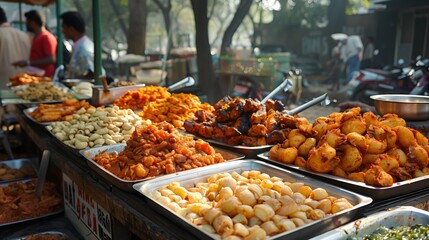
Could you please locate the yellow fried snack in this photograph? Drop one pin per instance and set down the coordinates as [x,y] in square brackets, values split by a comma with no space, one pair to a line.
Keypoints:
[137,99]
[175,109]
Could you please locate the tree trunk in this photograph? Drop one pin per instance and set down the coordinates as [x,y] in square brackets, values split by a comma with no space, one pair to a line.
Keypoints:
[336,16]
[137,29]
[206,78]
[240,14]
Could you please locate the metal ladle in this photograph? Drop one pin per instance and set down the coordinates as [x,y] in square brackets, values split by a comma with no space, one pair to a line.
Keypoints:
[322,99]
[42,172]
[187,82]
[285,86]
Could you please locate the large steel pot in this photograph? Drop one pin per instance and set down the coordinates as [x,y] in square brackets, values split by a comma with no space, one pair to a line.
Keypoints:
[408,107]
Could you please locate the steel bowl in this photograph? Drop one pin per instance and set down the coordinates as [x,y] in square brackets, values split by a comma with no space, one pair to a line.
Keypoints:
[408,107]
[74,81]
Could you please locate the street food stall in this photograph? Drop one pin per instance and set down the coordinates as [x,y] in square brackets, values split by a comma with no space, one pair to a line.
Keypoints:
[155,163]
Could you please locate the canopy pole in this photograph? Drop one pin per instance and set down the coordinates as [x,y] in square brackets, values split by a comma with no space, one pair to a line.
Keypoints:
[97,40]
[21,26]
[60,59]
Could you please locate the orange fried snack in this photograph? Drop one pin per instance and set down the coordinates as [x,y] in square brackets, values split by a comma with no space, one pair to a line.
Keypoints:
[18,201]
[58,112]
[157,149]
[176,109]
[137,99]
[23,79]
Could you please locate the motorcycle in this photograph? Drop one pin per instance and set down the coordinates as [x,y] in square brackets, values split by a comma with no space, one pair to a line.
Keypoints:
[396,79]
[422,78]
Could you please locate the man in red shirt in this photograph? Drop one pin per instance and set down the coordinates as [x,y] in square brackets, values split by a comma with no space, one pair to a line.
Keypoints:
[43,46]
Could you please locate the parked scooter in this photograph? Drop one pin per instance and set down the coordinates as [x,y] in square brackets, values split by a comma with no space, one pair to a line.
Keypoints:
[246,87]
[370,82]
[422,78]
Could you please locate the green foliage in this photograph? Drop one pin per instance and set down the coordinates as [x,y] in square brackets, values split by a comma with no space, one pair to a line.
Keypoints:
[301,13]
[353,6]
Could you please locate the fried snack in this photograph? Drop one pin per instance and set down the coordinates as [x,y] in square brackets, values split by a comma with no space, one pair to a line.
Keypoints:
[7,173]
[43,92]
[122,84]
[24,79]
[238,121]
[250,205]
[157,149]
[137,99]
[376,150]
[18,201]
[175,109]
[94,127]
[58,112]
[44,236]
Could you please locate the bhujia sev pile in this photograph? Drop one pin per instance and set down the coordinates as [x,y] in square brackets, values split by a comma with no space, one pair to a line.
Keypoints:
[137,99]
[176,109]
[377,151]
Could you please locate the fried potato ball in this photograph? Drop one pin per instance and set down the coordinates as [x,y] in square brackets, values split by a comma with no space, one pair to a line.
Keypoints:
[376,176]
[356,124]
[351,158]
[323,159]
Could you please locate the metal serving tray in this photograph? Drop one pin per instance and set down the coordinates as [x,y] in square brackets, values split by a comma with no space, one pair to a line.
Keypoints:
[18,163]
[127,185]
[59,209]
[191,177]
[248,152]
[8,96]
[376,193]
[102,97]
[27,114]
[57,234]
[401,216]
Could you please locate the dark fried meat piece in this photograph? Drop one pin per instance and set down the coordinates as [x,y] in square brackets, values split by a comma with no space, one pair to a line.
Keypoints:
[276,136]
[251,106]
[258,117]
[257,130]
[242,124]
[275,105]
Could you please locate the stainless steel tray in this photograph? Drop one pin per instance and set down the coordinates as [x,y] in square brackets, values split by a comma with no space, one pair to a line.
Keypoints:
[101,97]
[32,109]
[376,193]
[127,185]
[58,210]
[18,163]
[58,234]
[191,177]
[248,152]
[8,96]
[401,216]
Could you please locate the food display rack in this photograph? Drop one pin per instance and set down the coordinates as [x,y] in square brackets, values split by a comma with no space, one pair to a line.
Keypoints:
[126,215]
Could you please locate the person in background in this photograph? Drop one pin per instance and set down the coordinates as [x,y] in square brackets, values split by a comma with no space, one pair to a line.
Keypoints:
[14,45]
[351,54]
[82,58]
[368,54]
[43,46]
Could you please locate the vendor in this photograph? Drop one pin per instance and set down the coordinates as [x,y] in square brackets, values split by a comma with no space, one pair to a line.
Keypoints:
[14,45]
[43,46]
[82,59]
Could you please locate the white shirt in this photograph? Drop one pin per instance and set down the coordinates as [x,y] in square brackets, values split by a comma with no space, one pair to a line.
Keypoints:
[14,46]
[352,47]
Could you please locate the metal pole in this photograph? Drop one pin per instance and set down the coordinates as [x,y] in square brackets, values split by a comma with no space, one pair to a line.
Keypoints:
[20,17]
[60,59]
[97,40]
